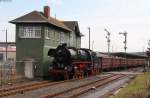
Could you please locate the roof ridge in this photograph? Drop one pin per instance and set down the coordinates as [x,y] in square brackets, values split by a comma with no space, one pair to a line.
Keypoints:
[69,21]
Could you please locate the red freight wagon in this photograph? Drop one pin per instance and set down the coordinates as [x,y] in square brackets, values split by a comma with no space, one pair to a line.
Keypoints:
[106,63]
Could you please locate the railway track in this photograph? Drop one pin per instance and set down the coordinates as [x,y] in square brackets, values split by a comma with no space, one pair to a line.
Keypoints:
[20,89]
[76,91]
[28,87]
[69,92]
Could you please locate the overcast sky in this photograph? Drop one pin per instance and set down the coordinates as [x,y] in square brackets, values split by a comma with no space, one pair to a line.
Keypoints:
[132,16]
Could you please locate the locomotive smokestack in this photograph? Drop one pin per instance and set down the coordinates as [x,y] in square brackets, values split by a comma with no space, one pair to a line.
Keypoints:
[47,11]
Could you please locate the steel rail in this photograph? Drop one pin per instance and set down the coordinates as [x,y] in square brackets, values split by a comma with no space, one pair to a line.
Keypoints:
[21,86]
[24,88]
[87,89]
[71,89]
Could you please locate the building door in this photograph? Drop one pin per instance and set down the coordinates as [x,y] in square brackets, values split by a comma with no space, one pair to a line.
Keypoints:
[29,69]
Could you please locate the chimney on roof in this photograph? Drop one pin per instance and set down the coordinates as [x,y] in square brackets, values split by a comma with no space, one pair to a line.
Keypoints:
[47,11]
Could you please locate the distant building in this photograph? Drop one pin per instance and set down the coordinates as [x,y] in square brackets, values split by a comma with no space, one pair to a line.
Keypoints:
[11,52]
[11,44]
[36,33]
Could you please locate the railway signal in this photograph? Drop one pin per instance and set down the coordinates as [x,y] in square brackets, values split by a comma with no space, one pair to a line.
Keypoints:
[148,55]
[148,49]
[148,52]
[125,45]
[108,40]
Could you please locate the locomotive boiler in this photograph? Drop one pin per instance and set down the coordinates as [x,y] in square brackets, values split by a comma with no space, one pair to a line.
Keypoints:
[71,62]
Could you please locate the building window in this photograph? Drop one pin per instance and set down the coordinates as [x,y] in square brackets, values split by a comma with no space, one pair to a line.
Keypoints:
[62,37]
[50,34]
[1,57]
[47,36]
[57,35]
[29,32]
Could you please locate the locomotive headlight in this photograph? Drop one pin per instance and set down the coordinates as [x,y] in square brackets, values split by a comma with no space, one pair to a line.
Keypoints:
[75,67]
[65,68]
[50,68]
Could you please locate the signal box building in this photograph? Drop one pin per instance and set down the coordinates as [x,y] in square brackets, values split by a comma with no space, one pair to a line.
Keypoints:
[36,33]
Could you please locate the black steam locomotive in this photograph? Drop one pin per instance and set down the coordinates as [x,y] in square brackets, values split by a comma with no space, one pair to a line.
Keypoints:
[71,62]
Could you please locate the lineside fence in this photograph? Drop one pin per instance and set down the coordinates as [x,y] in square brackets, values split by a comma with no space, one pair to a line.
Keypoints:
[7,72]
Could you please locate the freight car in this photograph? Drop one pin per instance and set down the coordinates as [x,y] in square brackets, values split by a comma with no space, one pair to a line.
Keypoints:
[111,63]
[69,62]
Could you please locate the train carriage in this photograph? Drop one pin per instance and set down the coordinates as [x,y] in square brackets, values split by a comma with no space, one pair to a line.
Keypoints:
[116,63]
[106,63]
[129,62]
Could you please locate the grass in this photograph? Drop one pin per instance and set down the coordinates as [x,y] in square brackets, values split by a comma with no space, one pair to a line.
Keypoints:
[138,88]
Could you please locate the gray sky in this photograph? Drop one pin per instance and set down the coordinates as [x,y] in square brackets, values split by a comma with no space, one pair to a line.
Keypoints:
[117,16]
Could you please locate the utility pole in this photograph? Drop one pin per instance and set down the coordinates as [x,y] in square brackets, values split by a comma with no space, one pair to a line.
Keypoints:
[125,46]
[3,73]
[6,45]
[6,57]
[92,44]
[89,36]
[108,40]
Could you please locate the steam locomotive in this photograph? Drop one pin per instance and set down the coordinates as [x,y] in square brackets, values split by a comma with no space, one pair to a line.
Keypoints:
[70,62]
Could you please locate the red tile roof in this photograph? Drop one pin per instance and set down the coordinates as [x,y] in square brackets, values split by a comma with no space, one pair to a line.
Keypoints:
[38,17]
[73,25]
